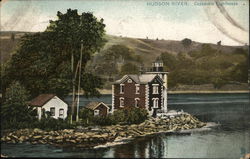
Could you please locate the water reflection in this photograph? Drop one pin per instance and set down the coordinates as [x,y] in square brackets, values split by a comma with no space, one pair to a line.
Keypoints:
[230,139]
[150,147]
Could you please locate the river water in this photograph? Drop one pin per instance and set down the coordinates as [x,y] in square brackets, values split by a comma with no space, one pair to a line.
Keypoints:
[230,140]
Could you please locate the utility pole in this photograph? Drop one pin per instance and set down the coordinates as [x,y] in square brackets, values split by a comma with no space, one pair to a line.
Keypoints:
[73,88]
[79,83]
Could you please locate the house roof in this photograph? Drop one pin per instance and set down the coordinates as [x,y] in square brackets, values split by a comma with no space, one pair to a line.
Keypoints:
[93,105]
[41,99]
[140,79]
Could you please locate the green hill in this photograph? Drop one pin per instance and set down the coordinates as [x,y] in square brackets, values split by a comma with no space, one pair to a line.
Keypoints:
[190,63]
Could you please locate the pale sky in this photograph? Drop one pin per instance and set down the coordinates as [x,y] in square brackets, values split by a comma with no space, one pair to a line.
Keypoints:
[140,18]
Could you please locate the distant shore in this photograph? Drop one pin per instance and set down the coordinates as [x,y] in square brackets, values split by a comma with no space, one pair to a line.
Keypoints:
[107,91]
[207,91]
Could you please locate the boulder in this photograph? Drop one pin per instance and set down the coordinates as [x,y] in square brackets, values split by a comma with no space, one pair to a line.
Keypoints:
[133,126]
[37,131]
[37,137]
[58,138]
[3,139]
[122,134]
[14,137]
[45,137]
[73,141]
[22,138]
[188,118]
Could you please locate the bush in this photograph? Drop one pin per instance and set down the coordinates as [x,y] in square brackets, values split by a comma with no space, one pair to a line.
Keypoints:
[52,124]
[186,42]
[123,116]
[130,115]
[103,121]
[15,112]
[86,117]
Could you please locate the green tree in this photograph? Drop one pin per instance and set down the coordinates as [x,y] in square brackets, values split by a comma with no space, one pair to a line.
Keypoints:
[129,68]
[86,116]
[12,36]
[44,60]
[169,61]
[186,42]
[122,51]
[15,110]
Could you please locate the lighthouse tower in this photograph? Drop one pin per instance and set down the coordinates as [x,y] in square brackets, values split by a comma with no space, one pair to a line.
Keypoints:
[157,68]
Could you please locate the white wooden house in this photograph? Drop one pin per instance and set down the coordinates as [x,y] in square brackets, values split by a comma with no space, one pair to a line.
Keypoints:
[50,103]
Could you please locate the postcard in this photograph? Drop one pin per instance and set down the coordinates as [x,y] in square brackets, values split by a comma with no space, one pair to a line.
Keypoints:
[125,79]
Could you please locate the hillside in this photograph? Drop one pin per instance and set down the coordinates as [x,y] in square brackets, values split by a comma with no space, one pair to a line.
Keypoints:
[149,49]
[190,64]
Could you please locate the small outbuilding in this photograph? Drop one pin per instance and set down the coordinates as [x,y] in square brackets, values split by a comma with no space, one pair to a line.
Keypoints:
[98,108]
[50,103]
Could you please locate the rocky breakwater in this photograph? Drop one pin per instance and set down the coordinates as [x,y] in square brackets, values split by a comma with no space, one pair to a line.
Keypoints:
[154,125]
[64,138]
[87,138]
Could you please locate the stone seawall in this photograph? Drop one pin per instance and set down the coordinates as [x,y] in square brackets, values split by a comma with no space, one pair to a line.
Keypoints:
[90,138]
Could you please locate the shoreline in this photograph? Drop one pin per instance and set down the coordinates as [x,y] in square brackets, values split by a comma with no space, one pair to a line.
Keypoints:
[207,92]
[104,136]
[121,141]
[107,91]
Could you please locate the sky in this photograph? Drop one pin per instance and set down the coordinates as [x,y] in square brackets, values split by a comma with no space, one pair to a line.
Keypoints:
[201,21]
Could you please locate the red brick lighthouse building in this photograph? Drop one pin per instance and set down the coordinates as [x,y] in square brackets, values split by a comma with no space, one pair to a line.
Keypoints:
[147,90]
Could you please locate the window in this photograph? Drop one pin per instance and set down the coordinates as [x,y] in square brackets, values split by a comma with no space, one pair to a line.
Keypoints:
[96,112]
[121,88]
[129,81]
[121,102]
[155,89]
[137,89]
[155,102]
[137,102]
[52,111]
[61,113]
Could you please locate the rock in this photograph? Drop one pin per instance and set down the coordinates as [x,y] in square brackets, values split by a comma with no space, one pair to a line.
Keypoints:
[37,137]
[142,124]
[14,137]
[37,131]
[118,138]
[122,134]
[7,138]
[3,139]
[73,141]
[45,137]
[56,133]
[58,138]
[133,126]
[3,156]
[22,138]
[188,119]
[182,118]
[52,132]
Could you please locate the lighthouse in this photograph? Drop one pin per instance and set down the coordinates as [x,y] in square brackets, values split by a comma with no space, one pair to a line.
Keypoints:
[158,69]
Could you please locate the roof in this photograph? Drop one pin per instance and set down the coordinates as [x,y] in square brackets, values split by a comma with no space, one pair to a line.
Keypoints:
[93,105]
[140,79]
[41,99]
